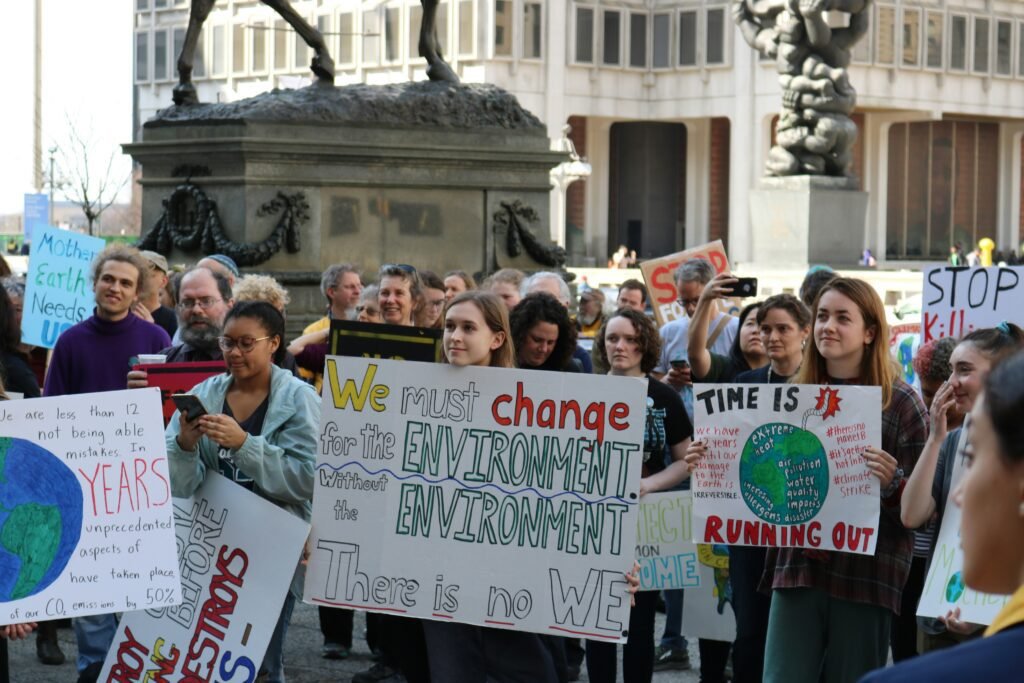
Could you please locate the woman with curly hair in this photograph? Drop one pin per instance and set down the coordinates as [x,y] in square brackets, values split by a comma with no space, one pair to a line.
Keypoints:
[543,335]
[629,344]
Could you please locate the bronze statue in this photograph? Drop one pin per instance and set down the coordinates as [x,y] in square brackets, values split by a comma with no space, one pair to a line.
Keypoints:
[322,64]
[815,134]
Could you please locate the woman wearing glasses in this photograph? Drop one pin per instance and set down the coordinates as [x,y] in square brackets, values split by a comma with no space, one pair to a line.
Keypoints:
[260,432]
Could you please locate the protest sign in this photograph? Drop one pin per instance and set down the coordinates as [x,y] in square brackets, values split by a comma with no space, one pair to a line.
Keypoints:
[373,340]
[784,466]
[486,496]
[958,299]
[233,585]
[58,289]
[659,274]
[904,341]
[37,213]
[86,523]
[178,378]
[707,609]
[664,542]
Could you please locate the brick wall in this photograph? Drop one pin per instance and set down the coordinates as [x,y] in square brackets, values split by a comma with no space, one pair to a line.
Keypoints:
[718,196]
[576,195]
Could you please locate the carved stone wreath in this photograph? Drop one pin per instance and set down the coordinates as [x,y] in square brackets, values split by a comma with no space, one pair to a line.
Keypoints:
[190,222]
[510,217]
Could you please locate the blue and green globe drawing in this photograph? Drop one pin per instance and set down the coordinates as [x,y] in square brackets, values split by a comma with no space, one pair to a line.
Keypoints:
[783,473]
[40,518]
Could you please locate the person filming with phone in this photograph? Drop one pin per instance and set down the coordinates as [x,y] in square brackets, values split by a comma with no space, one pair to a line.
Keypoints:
[257,425]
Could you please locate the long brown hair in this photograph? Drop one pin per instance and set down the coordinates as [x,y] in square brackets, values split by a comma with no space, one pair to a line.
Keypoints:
[495,317]
[876,366]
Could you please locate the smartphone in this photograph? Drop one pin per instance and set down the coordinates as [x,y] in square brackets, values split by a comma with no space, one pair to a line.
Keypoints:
[189,405]
[680,363]
[745,287]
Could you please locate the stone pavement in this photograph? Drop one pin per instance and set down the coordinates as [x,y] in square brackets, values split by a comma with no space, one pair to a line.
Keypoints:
[303,663]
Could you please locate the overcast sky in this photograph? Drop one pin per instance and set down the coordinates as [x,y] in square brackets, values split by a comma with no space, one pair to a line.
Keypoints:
[87,76]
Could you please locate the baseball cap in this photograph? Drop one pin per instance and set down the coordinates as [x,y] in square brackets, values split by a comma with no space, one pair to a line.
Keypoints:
[156,259]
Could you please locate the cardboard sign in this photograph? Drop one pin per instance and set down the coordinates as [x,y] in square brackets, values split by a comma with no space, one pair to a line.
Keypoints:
[179,378]
[659,275]
[707,609]
[398,342]
[784,466]
[86,525]
[958,299]
[487,496]
[944,587]
[233,586]
[58,289]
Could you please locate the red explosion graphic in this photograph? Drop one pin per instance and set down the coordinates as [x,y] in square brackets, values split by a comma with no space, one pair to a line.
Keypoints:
[828,399]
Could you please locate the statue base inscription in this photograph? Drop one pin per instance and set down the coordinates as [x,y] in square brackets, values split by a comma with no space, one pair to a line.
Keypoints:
[801,220]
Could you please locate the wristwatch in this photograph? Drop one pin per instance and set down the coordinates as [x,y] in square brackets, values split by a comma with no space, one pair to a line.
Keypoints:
[895,485]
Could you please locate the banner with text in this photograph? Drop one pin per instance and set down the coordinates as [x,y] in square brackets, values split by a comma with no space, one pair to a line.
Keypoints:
[374,340]
[660,273]
[958,299]
[86,524]
[58,288]
[233,585]
[785,466]
[485,496]
[178,378]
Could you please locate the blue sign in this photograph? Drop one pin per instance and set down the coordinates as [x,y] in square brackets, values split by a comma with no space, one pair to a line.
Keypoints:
[37,213]
[58,292]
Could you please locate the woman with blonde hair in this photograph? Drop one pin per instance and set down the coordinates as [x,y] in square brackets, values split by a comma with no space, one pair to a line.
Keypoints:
[831,612]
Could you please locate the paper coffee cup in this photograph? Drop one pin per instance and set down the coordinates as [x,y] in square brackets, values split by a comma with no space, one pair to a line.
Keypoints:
[152,358]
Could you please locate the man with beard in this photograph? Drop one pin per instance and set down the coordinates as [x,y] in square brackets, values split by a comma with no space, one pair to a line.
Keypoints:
[591,313]
[204,298]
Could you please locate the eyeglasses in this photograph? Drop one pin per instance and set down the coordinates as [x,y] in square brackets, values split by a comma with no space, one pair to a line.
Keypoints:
[369,309]
[204,303]
[436,304]
[687,302]
[245,344]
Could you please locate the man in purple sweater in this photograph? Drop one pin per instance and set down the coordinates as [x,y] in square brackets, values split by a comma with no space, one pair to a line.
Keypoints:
[94,356]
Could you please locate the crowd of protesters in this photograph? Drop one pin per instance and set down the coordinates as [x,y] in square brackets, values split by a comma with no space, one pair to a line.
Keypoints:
[801,615]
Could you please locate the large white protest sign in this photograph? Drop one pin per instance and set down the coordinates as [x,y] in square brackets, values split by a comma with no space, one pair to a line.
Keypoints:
[86,524]
[487,496]
[784,466]
[958,299]
[234,582]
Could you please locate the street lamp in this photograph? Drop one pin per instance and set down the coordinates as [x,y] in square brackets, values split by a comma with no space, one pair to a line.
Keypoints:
[562,176]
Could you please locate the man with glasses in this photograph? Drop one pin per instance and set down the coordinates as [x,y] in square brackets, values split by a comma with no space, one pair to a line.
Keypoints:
[204,298]
[93,356]
[341,286]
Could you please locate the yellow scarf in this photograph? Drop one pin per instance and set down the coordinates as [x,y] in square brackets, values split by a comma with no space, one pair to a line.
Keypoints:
[1011,614]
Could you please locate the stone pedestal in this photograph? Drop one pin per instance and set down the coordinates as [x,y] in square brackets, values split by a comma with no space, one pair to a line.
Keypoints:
[801,220]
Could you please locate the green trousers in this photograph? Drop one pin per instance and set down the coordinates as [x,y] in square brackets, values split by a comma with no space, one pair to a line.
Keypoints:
[813,637]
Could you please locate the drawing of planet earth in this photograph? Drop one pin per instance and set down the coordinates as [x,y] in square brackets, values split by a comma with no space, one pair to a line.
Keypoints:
[40,518]
[783,473]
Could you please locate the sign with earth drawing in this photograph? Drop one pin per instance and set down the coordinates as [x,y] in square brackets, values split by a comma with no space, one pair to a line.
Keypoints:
[785,467]
[86,523]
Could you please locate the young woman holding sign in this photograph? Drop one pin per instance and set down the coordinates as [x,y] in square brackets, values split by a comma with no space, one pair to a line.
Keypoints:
[629,344]
[261,433]
[476,333]
[831,611]
[991,496]
[929,486]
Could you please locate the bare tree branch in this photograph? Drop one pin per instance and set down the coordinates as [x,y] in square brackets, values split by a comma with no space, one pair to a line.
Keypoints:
[91,184]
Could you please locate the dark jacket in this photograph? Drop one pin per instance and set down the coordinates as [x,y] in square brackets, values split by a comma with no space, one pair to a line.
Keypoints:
[995,659]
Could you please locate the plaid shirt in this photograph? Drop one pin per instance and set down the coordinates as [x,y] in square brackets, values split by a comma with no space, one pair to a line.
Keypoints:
[879,579]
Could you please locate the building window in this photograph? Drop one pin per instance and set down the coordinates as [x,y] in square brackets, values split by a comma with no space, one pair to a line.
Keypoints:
[1020,49]
[280,47]
[466,26]
[715,51]
[141,5]
[177,43]
[1004,48]
[303,55]
[958,43]
[141,57]
[198,58]
[324,26]
[688,38]
[160,55]
[392,34]
[218,48]
[935,20]
[503,28]
[638,41]
[662,40]
[415,19]
[371,37]
[533,30]
[886,48]
[258,30]
[612,37]
[346,38]
[911,37]
[238,49]
[584,35]
[159,4]
[861,50]
[981,45]
[442,29]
